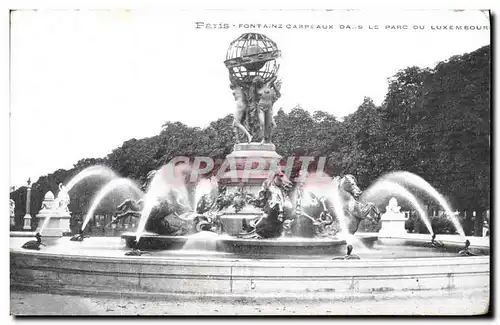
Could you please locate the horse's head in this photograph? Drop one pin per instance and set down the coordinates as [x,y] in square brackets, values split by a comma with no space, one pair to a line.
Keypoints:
[349,184]
[281,180]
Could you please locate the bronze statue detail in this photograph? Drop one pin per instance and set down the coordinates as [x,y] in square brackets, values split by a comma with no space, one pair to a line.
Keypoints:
[257,99]
[128,208]
[273,199]
[354,210]
[267,95]
[242,111]
[252,64]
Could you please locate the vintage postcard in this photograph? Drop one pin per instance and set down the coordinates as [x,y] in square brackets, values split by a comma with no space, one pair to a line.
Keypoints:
[250,162]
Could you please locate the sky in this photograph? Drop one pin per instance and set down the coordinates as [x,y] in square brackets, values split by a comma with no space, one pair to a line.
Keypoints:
[84,81]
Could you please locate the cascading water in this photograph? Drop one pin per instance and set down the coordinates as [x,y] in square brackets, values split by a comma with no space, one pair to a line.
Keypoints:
[168,186]
[205,187]
[151,199]
[117,184]
[322,185]
[417,181]
[92,171]
[101,171]
[203,240]
[374,191]
[337,203]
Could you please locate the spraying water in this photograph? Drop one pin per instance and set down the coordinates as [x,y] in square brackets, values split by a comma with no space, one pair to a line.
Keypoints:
[205,187]
[322,185]
[417,181]
[151,199]
[384,185]
[117,184]
[167,185]
[45,223]
[98,170]
[203,240]
[338,208]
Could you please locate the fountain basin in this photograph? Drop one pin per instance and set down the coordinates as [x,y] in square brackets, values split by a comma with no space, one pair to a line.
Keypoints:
[98,265]
[260,247]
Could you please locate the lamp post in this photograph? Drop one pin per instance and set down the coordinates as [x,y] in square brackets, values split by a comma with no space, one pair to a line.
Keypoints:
[27,216]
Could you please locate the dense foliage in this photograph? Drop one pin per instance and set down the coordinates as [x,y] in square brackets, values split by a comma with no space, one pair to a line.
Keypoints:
[433,122]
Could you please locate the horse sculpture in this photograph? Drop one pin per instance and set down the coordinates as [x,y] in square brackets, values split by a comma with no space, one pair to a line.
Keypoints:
[311,216]
[354,210]
[171,214]
[276,206]
[128,208]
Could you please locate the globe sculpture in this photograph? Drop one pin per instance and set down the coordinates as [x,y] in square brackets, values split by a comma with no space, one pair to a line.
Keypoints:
[252,64]
[252,55]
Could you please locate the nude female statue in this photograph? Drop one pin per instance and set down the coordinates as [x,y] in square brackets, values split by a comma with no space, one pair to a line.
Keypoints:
[241,113]
[267,95]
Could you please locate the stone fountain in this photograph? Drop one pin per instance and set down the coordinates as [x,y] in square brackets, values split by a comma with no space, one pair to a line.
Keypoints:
[255,199]
[251,61]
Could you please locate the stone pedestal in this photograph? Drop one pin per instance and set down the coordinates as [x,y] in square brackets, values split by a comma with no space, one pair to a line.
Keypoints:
[52,221]
[249,166]
[393,220]
[27,221]
[27,216]
[233,221]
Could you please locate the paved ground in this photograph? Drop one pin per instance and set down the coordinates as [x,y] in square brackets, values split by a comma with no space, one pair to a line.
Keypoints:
[26,303]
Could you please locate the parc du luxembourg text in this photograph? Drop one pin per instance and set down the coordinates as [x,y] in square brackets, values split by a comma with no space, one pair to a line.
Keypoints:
[342,27]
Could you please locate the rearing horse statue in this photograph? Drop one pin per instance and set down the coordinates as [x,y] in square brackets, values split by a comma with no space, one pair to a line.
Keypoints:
[354,210]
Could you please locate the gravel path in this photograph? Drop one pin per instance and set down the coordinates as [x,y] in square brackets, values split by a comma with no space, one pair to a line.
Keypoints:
[27,303]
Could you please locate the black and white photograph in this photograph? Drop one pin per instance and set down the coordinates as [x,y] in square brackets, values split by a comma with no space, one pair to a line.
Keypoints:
[229,162]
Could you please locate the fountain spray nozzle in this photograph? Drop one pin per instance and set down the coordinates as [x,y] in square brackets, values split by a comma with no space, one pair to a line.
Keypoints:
[78,237]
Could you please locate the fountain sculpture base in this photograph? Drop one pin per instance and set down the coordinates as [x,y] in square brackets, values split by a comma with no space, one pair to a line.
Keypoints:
[53,223]
[251,164]
[393,220]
